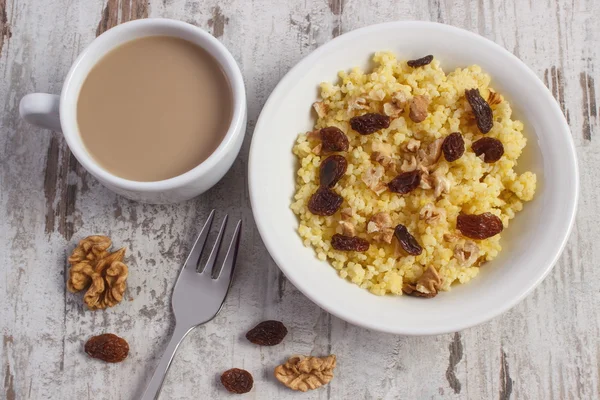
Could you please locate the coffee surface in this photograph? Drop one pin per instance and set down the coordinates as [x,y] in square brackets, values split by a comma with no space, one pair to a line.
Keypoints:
[154,108]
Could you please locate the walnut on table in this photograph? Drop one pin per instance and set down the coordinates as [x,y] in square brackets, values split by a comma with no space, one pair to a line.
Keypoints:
[306,373]
[103,274]
[90,249]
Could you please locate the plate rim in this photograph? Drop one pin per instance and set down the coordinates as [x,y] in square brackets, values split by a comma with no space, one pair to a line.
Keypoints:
[408,331]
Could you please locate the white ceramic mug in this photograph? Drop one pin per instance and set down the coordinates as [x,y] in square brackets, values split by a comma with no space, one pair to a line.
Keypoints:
[58,113]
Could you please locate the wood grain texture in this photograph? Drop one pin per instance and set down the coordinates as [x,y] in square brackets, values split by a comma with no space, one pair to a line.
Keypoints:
[545,348]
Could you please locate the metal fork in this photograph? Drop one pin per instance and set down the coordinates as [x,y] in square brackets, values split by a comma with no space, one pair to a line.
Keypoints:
[197,296]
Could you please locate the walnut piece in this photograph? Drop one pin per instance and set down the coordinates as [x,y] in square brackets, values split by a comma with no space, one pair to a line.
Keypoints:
[306,373]
[441,185]
[346,213]
[382,153]
[418,108]
[494,98]
[104,277]
[377,94]
[430,281]
[380,227]
[451,237]
[314,135]
[392,110]
[409,165]
[429,157]
[321,108]
[466,253]
[346,228]
[356,103]
[400,99]
[413,145]
[426,180]
[432,214]
[372,178]
[426,286]
[398,251]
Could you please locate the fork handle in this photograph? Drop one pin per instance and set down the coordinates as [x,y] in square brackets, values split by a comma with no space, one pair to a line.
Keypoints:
[155,384]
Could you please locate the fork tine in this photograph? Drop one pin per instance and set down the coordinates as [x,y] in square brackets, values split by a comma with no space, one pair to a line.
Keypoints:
[231,256]
[212,258]
[192,260]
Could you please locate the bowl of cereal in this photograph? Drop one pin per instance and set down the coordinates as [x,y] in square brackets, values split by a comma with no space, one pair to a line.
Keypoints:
[413,178]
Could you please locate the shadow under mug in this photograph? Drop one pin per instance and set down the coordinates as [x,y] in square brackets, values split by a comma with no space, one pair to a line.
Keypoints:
[59,113]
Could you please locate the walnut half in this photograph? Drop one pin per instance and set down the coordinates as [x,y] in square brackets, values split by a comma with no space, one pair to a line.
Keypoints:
[104,277]
[306,373]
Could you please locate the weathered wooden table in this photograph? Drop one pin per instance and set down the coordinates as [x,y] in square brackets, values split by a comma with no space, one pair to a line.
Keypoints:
[545,348]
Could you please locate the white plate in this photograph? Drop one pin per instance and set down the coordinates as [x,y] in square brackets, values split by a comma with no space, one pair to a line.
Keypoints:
[532,243]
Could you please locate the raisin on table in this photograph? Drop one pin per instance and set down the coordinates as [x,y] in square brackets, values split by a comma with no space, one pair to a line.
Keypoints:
[237,380]
[481,110]
[333,139]
[453,146]
[324,202]
[267,333]
[406,182]
[420,62]
[369,123]
[491,148]
[107,347]
[349,243]
[479,226]
[331,170]
[407,241]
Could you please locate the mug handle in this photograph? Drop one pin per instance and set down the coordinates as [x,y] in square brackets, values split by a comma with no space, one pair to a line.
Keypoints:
[41,109]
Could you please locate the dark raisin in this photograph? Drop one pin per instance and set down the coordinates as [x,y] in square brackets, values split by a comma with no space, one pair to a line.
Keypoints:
[481,110]
[369,123]
[479,226]
[420,62]
[411,290]
[107,347]
[349,243]
[453,147]
[407,241]
[267,333]
[405,182]
[333,139]
[324,202]
[237,380]
[332,169]
[492,149]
